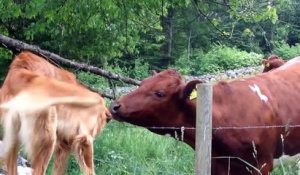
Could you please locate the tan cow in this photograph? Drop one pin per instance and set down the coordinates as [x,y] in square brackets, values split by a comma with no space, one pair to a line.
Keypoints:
[43,105]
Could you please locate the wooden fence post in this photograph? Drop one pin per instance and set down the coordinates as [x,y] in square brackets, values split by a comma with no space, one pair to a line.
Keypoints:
[203,129]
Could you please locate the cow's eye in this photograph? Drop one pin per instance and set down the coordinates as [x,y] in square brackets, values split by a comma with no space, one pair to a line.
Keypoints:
[159,94]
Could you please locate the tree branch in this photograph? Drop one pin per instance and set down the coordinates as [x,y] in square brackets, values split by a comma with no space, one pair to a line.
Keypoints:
[16,45]
[19,45]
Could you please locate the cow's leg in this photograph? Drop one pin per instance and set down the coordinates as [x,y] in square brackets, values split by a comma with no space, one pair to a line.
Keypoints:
[235,166]
[42,151]
[266,165]
[61,156]
[11,159]
[83,148]
[219,167]
[11,142]
[41,145]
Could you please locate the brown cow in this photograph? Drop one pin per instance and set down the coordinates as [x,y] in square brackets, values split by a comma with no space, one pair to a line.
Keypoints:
[268,99]
[44,105]
[272,62]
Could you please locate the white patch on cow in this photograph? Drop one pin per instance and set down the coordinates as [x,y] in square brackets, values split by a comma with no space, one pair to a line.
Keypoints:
[256,89]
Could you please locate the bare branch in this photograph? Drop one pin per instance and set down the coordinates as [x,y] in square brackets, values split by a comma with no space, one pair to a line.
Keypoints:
[16,45]
[19,45]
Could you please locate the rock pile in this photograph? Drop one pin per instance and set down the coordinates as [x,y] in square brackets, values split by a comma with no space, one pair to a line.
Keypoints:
[23,165]
[229,74]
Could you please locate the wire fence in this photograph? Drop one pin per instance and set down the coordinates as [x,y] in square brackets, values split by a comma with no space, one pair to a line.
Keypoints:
[280,162]
[225,127]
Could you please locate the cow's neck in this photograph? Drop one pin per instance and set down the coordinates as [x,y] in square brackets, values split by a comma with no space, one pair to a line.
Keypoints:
[185,124]
[189,122]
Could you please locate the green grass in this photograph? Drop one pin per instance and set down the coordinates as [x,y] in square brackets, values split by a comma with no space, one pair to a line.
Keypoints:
[287,169]
[123,149]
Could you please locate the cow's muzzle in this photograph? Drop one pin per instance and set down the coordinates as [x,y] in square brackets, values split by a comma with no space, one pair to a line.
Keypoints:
[115,109]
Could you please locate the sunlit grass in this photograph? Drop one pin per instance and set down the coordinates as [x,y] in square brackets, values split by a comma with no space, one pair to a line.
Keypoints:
[123,149]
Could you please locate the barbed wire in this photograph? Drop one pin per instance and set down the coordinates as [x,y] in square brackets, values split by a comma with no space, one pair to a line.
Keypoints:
[224,127]
[249,166]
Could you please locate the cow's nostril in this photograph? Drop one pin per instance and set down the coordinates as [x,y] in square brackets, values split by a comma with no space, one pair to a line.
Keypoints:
[114,107]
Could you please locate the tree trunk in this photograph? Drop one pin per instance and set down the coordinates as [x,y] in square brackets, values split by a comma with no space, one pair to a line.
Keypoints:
[169,23]
[189,44]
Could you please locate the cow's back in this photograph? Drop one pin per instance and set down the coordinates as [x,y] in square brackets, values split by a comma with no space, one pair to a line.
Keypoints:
[32,62]
[269,99]
[29,62]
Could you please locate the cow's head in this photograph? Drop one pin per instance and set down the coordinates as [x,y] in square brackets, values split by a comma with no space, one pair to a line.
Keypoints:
[161,100]
[272,62]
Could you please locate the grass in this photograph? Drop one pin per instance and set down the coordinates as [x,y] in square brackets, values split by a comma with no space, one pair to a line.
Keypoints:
[287,169]
[123,149]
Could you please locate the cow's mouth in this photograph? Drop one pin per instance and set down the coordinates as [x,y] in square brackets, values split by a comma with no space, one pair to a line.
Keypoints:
[119,117]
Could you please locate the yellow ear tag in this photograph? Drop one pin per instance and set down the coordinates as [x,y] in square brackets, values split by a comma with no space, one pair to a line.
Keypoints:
[193,94]
[268,65]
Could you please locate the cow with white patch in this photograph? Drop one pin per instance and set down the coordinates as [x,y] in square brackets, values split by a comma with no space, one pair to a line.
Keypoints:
[251,117]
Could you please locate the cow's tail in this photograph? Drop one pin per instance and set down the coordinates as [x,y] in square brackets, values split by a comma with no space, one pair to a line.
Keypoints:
[48,92]
[27,101]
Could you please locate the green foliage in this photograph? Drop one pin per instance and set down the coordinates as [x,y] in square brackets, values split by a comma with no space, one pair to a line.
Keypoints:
[253,11]
[92,80]
[88,30]
[5,59]
[219,58]
[140,70]
[187,64]
[157,32]
[287,52]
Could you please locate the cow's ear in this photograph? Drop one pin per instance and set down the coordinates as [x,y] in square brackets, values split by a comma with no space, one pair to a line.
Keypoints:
[265,63]
[189,87]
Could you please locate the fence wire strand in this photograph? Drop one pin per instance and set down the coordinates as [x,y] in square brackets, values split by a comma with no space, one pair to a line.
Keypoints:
[182,128]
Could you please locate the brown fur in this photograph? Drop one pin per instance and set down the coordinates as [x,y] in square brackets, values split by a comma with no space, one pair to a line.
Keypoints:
[272,62]
[235,104]
[56,109]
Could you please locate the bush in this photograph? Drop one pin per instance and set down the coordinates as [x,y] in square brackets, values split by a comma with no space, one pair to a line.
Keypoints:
[5,59]
[140,70]
[92,80]
[100,82]
[287,52]
[218,59]
[186,65]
